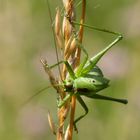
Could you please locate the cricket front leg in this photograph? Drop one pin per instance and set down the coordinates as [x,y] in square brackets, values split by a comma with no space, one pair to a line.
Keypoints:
[68,66]
[52,78]
[64,100]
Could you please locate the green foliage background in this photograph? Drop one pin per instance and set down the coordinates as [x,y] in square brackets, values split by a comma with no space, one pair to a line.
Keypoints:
[25,36]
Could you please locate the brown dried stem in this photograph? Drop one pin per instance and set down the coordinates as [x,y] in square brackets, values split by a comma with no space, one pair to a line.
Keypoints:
[72,55]
[77,56]
[67,30]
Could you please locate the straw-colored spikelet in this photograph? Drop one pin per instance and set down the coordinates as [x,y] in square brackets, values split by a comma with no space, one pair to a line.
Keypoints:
[58,32]
[67,43]
[51,123]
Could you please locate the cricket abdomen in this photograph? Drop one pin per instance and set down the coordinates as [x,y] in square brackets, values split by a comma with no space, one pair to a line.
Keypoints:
[94,84]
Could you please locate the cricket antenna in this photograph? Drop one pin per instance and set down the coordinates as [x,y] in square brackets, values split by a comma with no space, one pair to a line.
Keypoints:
[56,50]
[37,93]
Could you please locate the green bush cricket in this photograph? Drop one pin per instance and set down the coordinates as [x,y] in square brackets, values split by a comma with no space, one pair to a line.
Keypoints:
[87,80]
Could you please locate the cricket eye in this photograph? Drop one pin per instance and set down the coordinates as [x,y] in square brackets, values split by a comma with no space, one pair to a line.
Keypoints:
[93,81]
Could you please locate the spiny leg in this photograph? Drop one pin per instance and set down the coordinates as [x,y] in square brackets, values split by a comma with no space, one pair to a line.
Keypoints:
[94,60]
[101,97]
[97,29]
[83,70]
[82,103]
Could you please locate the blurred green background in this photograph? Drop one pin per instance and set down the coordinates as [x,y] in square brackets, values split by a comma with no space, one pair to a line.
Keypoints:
[25,36]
